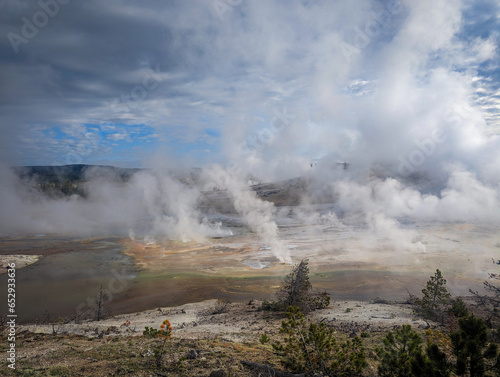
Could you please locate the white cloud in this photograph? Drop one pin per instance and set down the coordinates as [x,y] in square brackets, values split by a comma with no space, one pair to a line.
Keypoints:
[261,57]
[119,136]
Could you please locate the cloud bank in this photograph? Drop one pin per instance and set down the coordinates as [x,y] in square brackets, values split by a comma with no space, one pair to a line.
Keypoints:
[405,92]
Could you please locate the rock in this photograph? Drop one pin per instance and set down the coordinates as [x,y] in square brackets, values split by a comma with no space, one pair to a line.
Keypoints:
[192,354]
[218,373]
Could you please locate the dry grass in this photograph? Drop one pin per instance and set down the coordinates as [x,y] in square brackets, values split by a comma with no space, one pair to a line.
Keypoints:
[70,355]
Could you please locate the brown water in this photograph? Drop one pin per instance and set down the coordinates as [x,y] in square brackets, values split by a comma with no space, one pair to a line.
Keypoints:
[70,271]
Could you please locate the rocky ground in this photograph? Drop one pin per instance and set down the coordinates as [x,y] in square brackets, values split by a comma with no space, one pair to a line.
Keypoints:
[207,337]
[238,322]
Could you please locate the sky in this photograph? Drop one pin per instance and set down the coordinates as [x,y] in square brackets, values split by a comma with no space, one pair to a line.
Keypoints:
[268,85]
[389,109]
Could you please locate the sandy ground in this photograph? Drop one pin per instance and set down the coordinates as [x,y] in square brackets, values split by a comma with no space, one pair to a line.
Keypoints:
[242,322]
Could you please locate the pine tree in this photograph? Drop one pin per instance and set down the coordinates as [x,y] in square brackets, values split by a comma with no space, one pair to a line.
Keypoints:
[435,298]
[472,349]
[296,287]
[312,349]
[402,356]
[297,290]
[399,352]
[458,308]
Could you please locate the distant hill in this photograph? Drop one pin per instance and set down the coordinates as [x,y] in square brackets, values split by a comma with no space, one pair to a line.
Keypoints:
[56,181]
[70,173]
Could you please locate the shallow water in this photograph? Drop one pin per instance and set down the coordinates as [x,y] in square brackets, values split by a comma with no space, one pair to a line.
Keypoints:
[70,271]
[349,263]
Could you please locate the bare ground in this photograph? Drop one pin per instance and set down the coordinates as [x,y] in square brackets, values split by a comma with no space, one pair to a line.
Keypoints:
[239,322]
[116,347]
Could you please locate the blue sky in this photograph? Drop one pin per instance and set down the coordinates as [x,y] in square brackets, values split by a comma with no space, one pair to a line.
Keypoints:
[128,83]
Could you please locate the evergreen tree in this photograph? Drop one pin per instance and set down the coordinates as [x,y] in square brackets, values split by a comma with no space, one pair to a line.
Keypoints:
[472,349]
[436,364]
[296,286]
[297,291]
[402,356]
[400,350]
[312,349]
[458,308]
[435,297]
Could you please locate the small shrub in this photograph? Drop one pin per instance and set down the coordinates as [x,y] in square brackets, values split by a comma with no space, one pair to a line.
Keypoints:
[270,306]
[434,336]
[59,325]
[128,326]
[312,349]
[321,300]
[364,334]
[458,308]
[378,300]
[59,370]
[150,332]
[220,306]
[264,338]
[348,310]
[164,334]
